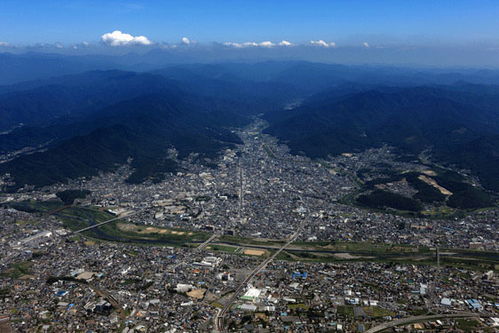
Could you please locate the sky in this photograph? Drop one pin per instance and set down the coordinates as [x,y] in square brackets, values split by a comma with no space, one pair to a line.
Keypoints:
[344,22]
[400,32]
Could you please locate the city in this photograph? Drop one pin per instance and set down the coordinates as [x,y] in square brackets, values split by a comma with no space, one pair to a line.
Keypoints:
[238,166]
[344,268]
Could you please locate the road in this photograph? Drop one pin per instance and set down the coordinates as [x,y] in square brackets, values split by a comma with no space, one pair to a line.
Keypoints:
[108,221]
[111,299]
[173,267]
[419,319]
[219,318]
[208,241]
[241,194]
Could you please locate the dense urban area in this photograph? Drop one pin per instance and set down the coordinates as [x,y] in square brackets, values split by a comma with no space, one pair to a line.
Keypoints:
[256,240]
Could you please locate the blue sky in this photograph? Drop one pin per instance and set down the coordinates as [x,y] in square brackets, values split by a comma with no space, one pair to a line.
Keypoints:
[343,21]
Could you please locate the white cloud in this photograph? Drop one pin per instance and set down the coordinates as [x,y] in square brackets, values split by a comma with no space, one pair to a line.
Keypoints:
[118,38]
[285,43]
[365,44]
[266,44]
[250,44]
[4,44]
[186,41]
[81,45]
[322,43]
[232,44]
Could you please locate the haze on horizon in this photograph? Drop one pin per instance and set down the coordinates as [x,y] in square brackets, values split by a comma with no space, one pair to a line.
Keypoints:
[421,33]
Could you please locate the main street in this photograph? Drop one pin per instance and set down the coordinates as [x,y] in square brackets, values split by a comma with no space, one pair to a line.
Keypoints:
[219,318]
[219,322]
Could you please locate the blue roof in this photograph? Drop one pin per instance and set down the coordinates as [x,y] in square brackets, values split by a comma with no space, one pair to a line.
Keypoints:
[298,274]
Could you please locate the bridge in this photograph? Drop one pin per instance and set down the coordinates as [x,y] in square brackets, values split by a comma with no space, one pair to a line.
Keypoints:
[420,319]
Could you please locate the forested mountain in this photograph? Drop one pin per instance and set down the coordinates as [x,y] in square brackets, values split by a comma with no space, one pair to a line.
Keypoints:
[40,102]
[480,155]
[412,119]
[58,108]
[143,129]
[35,66]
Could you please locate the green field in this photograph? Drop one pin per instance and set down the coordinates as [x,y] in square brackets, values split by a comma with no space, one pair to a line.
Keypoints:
[16,270]
[223,248]
[376,311]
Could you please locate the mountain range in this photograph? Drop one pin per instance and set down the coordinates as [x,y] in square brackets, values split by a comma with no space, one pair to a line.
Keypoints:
[92,132]
[69,126]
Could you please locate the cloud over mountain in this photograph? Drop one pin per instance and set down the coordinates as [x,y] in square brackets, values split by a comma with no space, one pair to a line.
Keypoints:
[118,38]
[322,43]
[266,43]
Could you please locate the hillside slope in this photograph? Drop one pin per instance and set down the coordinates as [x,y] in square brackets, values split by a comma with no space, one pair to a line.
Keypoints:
[143,129]
[412,119]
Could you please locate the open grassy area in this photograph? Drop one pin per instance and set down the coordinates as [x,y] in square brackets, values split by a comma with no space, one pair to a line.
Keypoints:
[34,206]
[465,262]
[299,306]
[76,218]
[376,311]
[17,270]
[468,325]
[363,247]
[161,236]
[236,240]
[25,222]
[388,253]
[346,311]
[223,248]
[440,212]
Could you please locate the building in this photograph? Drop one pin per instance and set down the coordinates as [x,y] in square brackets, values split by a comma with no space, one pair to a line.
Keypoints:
[474,304]
[252,294]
